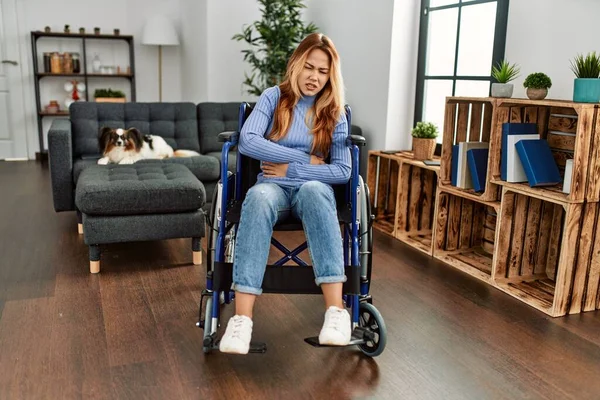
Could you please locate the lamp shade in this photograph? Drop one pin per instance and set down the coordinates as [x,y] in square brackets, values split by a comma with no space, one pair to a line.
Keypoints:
[159,30]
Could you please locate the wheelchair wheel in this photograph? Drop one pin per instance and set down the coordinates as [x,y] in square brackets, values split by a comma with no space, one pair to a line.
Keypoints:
[207,340]
[371,319]
[366,234]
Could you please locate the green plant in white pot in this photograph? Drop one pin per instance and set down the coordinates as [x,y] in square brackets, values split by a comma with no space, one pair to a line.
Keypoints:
[503,73]
[424,142]
[586,88]
[537,85]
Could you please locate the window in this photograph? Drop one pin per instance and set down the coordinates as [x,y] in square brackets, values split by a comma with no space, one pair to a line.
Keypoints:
[459,42]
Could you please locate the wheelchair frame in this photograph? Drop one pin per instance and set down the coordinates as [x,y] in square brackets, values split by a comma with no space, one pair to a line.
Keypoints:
[369,331]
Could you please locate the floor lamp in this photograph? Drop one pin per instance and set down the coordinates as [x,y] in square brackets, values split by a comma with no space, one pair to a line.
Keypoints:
[159,31]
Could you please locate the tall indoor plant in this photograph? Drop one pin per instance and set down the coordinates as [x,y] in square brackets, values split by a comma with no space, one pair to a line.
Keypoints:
[272,41]
[586,88]
[503,73]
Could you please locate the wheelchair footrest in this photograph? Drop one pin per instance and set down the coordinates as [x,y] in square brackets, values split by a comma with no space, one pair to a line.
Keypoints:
[255,347]
[359,336]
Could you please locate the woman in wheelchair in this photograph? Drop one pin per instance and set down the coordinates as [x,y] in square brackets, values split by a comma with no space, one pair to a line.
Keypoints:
[294,128]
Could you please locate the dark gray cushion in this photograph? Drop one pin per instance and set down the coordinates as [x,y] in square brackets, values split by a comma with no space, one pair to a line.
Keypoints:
[231,160]
[100,229]
[214,118]
[82,164]
[204,167]
[175,122]
[138,189]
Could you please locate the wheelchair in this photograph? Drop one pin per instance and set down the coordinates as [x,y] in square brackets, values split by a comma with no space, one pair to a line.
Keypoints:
[354,214]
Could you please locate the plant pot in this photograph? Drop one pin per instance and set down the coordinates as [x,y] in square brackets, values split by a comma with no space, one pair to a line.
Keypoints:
[423,149]
[96,31]
[502,89]
[537,94]
[586,90]
[82,30]
[110,99]
[117,32]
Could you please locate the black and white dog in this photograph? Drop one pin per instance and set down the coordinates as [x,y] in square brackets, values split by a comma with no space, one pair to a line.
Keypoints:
[126,146]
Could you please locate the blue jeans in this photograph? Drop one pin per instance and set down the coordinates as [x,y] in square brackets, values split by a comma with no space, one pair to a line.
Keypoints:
[265,204]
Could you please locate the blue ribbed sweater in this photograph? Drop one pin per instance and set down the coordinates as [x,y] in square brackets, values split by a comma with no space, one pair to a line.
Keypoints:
[295,147]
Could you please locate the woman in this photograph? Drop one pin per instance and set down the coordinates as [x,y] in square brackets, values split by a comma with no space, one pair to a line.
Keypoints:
[293,128]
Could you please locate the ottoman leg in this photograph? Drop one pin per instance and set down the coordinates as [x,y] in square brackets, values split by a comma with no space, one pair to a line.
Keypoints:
[79,224]
[196,251]
[94,258]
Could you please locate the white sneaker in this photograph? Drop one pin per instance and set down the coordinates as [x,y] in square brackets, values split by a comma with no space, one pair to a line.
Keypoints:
[337,329]
[236,339]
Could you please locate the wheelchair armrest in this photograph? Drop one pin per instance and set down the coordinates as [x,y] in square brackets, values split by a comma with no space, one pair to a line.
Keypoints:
[229,136]
[356,139]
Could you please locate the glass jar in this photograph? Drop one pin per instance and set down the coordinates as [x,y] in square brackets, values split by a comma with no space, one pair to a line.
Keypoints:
[67,63]
[47,64]
[76,63]
[55,64]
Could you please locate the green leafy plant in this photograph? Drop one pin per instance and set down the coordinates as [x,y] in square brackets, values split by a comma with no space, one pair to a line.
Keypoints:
[108,93]
[425,130]
[537,80]
[586,67]
[272,41]
[505,72]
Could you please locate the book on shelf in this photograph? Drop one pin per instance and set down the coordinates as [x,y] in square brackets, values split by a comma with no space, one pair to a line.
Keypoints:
[478,162]
[454,165]
[568,175]
[463,178]
[538,162]
[511,168]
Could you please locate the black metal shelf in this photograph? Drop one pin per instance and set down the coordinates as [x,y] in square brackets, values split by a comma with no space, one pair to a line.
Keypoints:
[84,38]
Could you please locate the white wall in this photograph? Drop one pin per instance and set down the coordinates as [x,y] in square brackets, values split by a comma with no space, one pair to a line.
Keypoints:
[544,35]
[129,17]
[194,50]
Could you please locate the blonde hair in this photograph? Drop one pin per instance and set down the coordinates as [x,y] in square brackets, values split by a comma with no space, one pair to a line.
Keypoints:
[329,102]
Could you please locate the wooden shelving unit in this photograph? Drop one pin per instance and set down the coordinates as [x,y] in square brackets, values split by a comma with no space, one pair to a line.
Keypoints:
[539,245]
[404,197]
[84,74]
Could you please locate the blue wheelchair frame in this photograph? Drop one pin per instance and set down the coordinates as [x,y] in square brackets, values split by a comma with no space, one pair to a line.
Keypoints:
[356,289]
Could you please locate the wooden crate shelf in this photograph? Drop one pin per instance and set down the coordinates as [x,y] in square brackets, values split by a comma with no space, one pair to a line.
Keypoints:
[467,119]
[465,233]
[548,253]
[409,187]
[572,131]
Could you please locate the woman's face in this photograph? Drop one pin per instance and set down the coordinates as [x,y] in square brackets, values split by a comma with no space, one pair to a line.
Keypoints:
[315,73]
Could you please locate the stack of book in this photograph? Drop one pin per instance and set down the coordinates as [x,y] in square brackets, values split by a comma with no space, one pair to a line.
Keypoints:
[469,165]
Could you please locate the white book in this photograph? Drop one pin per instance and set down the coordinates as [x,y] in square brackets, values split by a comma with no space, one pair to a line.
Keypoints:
[464,179]
[568,175]
[514,167]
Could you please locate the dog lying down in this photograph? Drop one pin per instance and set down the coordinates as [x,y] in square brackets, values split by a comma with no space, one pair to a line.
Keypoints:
[126,146]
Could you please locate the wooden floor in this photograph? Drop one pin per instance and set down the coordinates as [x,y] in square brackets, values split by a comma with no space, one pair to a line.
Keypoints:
[129,332]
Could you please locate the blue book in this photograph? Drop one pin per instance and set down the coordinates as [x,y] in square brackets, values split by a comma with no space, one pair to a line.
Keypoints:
[538,162]
[478,160]
[454,165]
[511,169]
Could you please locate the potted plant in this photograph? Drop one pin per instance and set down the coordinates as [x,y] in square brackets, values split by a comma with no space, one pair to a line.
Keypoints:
[67,29]
[272,41]
[586,88]
[109,96]
[423,145]
[96,30]
[117,31]
[537,85]
[82,30]
[503,73]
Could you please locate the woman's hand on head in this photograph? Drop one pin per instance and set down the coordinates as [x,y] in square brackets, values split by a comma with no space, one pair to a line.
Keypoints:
[316,160]
[272,170]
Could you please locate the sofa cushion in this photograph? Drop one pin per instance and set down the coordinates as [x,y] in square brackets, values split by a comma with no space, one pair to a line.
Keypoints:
[82,164]
[214,118]
[138,189]
[175,122]
[204,167]
[231,160]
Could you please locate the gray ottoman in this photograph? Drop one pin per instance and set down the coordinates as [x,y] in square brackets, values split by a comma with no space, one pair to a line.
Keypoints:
[126,203]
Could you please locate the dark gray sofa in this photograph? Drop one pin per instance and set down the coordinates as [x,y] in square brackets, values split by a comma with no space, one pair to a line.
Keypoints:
[73,142]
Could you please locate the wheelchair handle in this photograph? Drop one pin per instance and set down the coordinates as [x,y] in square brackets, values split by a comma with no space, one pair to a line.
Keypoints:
[356,140]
